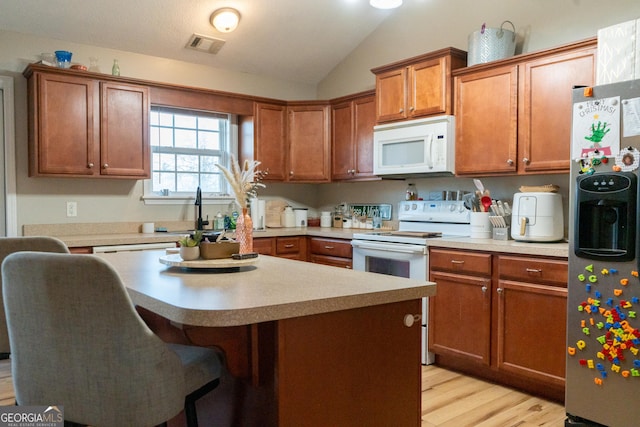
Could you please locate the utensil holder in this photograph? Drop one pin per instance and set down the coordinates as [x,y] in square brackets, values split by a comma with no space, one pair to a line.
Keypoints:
[480,225]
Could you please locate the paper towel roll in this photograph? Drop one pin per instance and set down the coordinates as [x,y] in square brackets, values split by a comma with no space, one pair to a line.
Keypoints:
[258,208]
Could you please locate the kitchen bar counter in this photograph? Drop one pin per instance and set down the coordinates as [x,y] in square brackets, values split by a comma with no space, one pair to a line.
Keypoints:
[271,289]
[302,341]
[83,235]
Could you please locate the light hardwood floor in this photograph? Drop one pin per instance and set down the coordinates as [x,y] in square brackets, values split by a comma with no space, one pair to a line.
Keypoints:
[448,399]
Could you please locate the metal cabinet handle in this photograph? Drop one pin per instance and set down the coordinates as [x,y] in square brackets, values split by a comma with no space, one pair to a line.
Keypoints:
[499,290]
[290,172]
[105,166]
[526,161]
[412,108]
[329,247]
[401,110]
[288,245]
[455,261]
[533,270]
[484,289]
[90,165]
[410,319]
[510,162]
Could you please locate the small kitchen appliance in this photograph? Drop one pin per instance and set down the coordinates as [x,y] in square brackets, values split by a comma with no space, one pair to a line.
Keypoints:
[537,217]
[404,253]
[415,147]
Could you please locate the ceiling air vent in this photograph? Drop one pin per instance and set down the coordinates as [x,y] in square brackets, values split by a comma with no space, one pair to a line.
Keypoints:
[205,43]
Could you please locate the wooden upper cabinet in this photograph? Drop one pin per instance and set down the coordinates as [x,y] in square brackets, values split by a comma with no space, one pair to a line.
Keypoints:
[544,131]
[80,126]
[417,87]
[352,122]
[309,143]
[63,132]
[514,116]
[124,130]
[270,140]
[487,121]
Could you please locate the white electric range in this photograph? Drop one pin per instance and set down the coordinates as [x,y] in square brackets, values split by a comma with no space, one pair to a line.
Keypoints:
[404,252]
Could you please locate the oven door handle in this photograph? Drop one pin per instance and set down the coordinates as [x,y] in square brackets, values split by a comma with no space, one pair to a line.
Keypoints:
[405,249]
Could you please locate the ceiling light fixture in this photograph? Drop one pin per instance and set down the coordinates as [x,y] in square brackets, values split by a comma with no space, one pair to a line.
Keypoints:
[225,20]
[385,4]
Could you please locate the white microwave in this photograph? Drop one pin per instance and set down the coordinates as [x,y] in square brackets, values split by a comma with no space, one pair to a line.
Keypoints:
[421,146]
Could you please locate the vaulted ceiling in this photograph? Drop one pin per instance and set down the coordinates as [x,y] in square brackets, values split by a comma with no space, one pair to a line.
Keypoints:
[294,40]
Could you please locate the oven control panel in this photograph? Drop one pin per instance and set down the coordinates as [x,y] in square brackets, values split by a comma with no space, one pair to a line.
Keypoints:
[452,211]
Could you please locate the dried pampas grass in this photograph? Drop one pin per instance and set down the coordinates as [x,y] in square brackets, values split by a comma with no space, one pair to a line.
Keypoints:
[244,181]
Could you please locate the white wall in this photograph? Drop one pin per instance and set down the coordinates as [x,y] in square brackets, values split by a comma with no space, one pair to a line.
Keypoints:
[422,26]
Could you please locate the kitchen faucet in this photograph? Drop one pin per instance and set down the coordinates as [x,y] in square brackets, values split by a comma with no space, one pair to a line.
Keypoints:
[199,222]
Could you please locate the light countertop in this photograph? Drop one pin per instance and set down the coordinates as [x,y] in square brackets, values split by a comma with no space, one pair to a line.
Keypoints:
[256,293]
[83,235]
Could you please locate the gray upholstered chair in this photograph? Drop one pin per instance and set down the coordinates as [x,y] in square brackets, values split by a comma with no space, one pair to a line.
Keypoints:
[77,341]
[9,245]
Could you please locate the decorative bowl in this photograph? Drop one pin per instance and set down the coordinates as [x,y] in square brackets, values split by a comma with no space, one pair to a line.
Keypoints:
[64,58]
[218,250]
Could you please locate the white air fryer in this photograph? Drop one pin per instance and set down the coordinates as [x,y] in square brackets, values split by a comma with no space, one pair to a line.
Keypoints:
[537,217]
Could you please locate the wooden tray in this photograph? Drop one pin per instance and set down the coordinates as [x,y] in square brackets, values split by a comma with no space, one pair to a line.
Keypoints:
[174,260]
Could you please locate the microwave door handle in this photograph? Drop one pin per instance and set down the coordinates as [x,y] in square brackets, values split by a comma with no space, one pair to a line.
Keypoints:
[430,150]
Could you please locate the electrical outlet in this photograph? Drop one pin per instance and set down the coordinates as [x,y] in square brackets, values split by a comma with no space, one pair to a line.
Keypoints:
[72,209]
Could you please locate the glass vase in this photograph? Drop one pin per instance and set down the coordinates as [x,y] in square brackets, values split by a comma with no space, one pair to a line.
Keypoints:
[244,232]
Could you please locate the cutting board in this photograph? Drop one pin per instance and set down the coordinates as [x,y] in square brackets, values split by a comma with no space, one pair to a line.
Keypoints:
[423,234]
[273,209]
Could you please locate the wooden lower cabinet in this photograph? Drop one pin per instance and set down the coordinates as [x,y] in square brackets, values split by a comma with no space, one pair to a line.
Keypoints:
[501,317]
[294,247]
[335,252]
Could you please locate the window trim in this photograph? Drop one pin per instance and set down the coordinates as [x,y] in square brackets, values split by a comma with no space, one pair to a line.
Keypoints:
[150,197]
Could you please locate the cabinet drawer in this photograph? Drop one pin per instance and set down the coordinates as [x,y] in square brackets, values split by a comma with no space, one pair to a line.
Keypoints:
[330,247]
[264,246]
[537,270]
[460,262]
[287,245]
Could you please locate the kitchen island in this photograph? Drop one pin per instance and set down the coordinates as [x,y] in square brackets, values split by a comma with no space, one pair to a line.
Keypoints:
[306,344]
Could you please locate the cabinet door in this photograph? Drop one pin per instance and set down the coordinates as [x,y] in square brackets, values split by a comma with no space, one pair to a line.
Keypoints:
[352,139]
[64,135]
[532,331]
[124,130]
[486,121]
[391,95]
[270,140]
[545,108]
[364,118]
[309,145]
[460,317]
[428,88]
[343,155]
[366,354]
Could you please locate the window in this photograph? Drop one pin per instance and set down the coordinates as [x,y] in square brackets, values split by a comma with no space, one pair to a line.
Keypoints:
[185,147]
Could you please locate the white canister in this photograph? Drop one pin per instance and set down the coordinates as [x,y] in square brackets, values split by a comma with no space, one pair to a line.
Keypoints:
[480,225]
[325,219]
[288,217]
[148,227]
[301,217]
